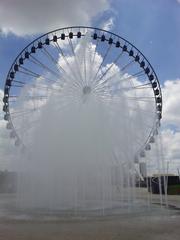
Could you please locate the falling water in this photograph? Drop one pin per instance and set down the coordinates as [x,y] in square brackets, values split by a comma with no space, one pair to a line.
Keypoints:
[80,153]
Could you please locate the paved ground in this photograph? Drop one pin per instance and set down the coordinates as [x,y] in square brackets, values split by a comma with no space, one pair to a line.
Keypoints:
[115,228]
[150,226]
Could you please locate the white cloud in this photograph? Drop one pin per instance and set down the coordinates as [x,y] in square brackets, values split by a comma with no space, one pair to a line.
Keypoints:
[173,139]
[171,150]
[108,25]
[1,103]
[29,17]
[170,131]
[171,117]
[171,123]
[171,99]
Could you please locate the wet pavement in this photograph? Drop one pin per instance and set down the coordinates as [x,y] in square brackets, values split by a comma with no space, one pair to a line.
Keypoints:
[155,224]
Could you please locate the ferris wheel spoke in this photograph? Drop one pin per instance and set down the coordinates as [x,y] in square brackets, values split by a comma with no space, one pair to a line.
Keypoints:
[39,86]
[127,89]
[19,82]
[35,75]
[21,115]
[43,86]
[127,65]
[53,60]
[73,73]
[75,77]
[16,86]
[109,99]
[28,73]
[47,69]
[133,77]
[139,98]
[121,77]
[58,66]
[94,52]
[141,86]
[143,99]
[93,80]
[28,98]
[14,113]
[13,96]
[76,62]
[43,66]
[84,63]
[41,102]
[110,67]
[122,89]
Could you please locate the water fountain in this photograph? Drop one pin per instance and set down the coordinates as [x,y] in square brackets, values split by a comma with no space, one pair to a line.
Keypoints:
[83,105]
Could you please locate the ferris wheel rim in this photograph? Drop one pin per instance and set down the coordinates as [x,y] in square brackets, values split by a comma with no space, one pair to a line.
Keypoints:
[141,57]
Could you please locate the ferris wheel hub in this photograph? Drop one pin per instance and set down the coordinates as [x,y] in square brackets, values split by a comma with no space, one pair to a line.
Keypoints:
[86,90]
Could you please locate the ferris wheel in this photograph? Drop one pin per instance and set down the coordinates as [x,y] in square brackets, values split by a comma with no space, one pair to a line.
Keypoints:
[73,64]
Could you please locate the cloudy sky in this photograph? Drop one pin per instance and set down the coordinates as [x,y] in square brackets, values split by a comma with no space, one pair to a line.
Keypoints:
[151,25]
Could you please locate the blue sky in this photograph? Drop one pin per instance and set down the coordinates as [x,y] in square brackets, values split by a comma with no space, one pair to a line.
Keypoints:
[153,26]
